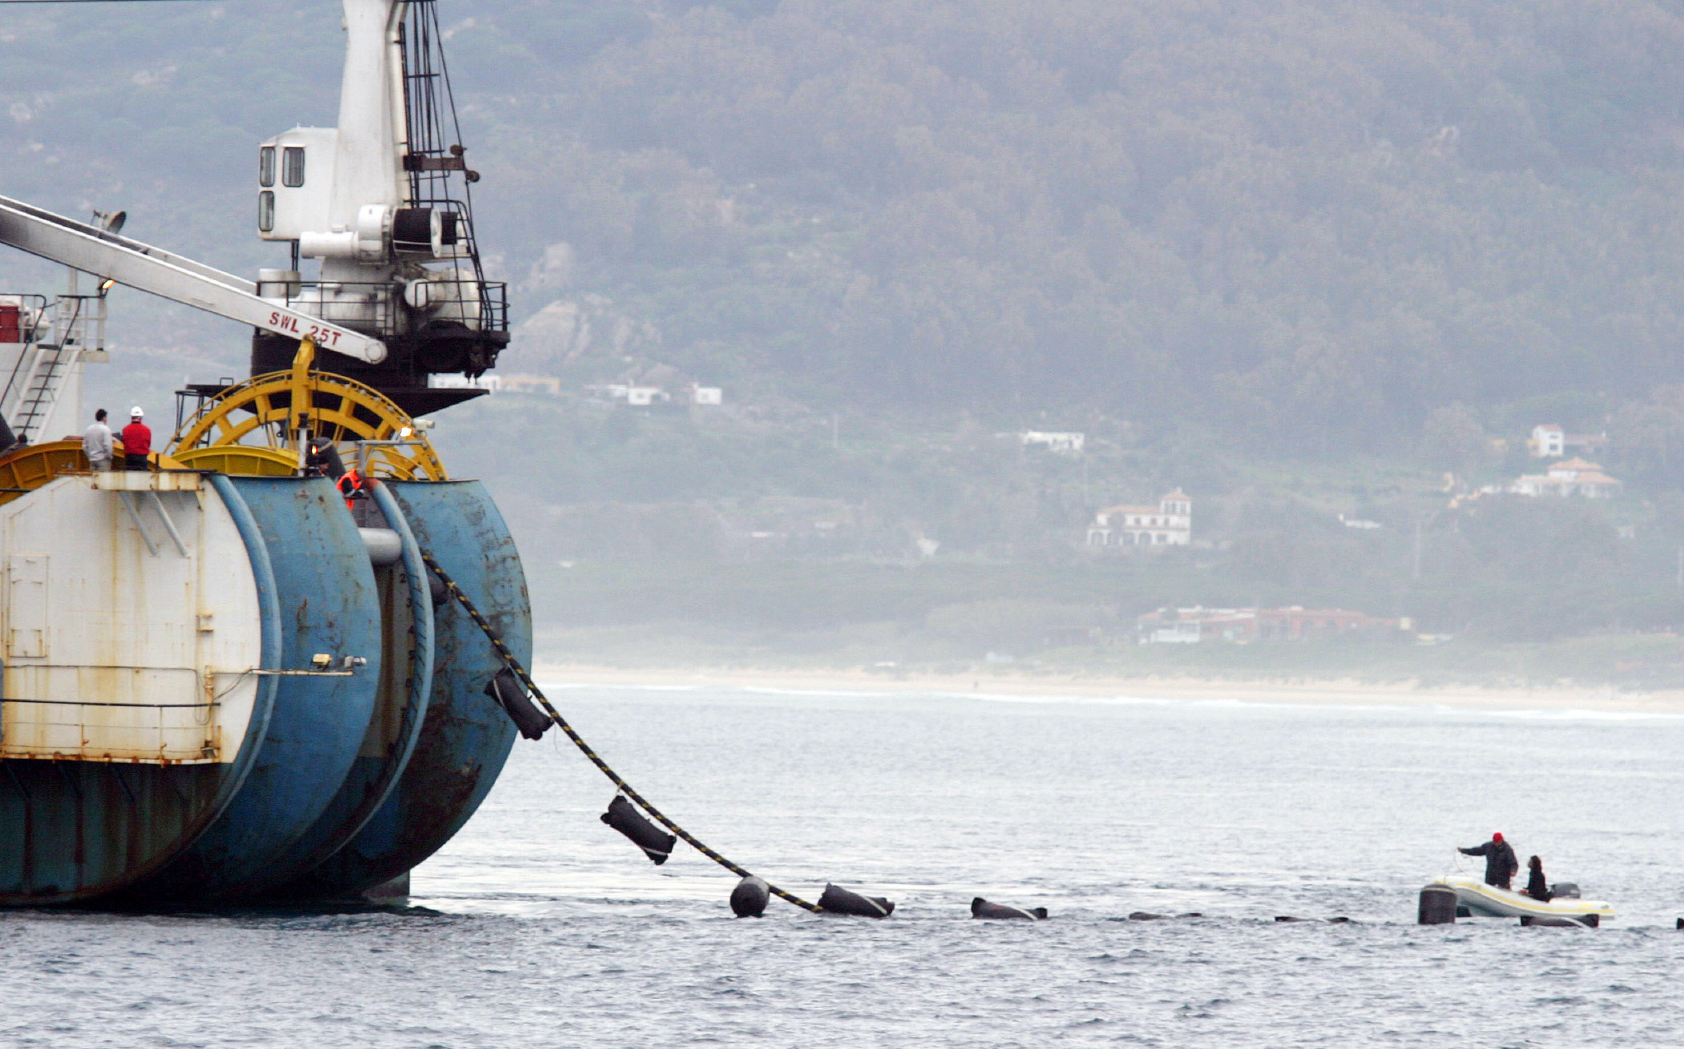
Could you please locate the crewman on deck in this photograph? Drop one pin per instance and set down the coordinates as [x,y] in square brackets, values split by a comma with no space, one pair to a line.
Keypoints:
[96,444]
[350,485]
[137,441]
[1500,863]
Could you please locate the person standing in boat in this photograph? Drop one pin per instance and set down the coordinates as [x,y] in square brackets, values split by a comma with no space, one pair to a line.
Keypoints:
[1500,863]
[1536,885]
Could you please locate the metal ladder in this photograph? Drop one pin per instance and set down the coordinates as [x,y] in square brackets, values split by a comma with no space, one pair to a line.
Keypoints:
[44,380]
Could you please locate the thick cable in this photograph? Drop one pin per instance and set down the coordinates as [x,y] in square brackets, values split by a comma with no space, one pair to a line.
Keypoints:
[625,788]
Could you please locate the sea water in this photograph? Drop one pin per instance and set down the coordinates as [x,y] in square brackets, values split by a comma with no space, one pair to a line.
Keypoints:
[539,926]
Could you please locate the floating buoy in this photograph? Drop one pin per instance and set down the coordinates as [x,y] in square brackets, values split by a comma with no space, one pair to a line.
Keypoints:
[506,689]
[1437,906]
[838,900]
[655,843]
[981,908]
[749,898]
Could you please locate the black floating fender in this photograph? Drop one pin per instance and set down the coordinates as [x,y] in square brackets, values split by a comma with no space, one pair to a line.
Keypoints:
[506,689]
[1437,905]
[655,843]
[749,898]
[838,900]
[981,908]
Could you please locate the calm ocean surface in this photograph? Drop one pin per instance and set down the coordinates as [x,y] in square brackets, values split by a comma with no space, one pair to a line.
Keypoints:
[538,926]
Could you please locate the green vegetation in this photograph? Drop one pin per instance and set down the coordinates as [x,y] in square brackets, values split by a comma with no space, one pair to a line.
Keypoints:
[1301,260]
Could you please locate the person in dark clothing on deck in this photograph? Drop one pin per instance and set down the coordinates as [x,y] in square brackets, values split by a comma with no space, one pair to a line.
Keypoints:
[1500,863]
[1536,886]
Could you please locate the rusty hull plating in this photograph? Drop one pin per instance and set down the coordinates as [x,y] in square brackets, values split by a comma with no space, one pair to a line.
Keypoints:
[335,782]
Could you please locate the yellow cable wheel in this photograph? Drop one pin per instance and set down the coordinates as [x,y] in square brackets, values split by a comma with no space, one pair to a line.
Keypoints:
[254,427]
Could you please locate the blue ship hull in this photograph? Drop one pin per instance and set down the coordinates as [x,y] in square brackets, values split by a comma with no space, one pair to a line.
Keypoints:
[466,737]
[339,782]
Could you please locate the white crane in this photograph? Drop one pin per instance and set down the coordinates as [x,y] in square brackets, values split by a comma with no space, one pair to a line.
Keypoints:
[400,293]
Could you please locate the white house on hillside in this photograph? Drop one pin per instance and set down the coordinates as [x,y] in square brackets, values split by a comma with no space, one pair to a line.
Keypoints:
[1170,523]
[1572,477]
[1549,441]
[1055,441]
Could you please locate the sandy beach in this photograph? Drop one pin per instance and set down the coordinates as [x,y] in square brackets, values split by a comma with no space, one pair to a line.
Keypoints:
[1342,692]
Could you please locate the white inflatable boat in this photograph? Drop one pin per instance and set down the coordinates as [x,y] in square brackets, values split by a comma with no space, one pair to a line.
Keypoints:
[1489,901]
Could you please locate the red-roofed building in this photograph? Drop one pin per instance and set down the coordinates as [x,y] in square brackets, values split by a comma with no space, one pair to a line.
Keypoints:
[1191,625]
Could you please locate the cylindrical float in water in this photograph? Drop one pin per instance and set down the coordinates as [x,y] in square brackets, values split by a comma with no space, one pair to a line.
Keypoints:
[749,898]
[838,900]
[981,908]
[1437,907]
[655,843]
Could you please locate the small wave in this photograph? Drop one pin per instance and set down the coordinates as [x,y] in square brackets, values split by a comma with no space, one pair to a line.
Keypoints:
[770,690]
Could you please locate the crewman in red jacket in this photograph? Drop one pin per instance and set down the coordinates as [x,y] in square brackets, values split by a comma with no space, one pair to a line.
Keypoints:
[137,441]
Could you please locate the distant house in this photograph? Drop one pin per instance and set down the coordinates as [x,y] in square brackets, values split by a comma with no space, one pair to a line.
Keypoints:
[532,384]
[1170,523]
[1241,625]
[630,395]
[707,395]
[1055,441]
[1569,477]
[1549,441]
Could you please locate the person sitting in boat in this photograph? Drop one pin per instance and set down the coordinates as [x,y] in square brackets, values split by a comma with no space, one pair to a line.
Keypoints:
[1500,863]
[1536,886]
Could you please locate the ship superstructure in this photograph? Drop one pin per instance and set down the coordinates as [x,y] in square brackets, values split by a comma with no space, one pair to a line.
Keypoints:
[232,675]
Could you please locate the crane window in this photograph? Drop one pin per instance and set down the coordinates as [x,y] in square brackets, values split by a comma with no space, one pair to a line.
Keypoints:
[292,166]
[266,211]
[266,166]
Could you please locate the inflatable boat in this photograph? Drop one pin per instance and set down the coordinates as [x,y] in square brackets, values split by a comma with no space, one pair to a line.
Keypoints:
[1482,900]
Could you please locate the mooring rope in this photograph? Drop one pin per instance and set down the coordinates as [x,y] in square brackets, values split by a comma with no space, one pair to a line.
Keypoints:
[657,815]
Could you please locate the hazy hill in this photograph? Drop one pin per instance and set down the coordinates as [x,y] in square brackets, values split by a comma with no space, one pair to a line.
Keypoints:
[1295,256]
[1306,222]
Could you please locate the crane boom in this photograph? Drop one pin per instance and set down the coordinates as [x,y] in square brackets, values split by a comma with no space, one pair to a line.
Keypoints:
[158,272]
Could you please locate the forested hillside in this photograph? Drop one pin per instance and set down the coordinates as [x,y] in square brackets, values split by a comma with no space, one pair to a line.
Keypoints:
[1300,258]
[1307,223]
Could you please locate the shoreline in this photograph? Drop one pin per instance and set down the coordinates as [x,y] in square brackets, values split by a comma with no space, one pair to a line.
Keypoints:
[1336,692]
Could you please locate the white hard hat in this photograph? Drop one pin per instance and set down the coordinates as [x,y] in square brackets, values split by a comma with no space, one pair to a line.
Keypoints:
[136,413]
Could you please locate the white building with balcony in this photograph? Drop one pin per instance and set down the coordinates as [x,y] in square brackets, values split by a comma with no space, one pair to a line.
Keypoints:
[1170,523]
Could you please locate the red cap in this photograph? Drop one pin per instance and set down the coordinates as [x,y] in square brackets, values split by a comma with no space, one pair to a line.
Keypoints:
[1497,836]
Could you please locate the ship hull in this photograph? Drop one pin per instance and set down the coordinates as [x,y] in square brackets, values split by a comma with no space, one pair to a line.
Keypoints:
[325,783]
[466,737]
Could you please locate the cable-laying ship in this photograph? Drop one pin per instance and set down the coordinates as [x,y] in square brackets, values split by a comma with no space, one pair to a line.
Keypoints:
[233,676]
